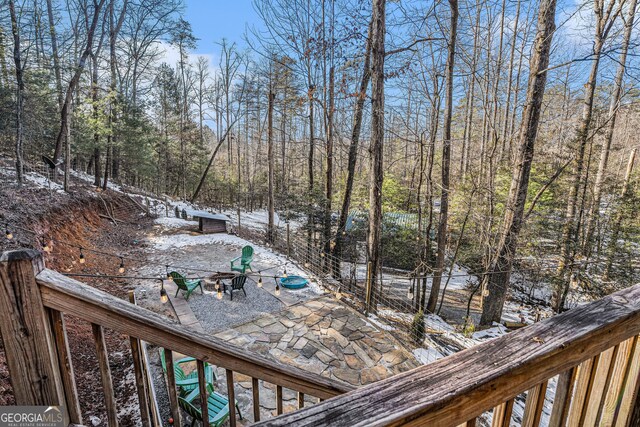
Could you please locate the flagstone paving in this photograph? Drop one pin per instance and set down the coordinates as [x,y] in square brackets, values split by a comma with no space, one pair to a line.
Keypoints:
[322,336]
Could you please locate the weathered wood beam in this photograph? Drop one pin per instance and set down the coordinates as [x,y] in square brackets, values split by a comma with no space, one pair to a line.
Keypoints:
[444,393]
[25,326]
[70,296]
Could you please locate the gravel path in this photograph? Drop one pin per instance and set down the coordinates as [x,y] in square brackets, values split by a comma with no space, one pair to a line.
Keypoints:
[215,315]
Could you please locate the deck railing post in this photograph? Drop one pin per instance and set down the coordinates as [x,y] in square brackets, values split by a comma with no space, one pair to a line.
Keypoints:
[26,331]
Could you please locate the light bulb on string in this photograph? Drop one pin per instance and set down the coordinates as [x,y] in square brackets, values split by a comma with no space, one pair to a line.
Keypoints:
[169,276]
[410,293]
[164,298]
[45,246]
[82,259]
[121,268]
[219,294]
[8,232]
[277,289]
[306,264]
[284,274]
[217,284]
[260,282]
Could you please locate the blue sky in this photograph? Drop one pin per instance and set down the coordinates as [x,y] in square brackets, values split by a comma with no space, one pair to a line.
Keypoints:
[212,20]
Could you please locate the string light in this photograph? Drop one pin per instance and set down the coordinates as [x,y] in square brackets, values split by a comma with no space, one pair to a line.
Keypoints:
[169,276]
[277,289]
[410,293]
[163,293]
[218,285]
[219,294]
[322,254]
[284,274]
[306,265]
[82,259]
[260,282]
[45,246]
[121,269]
[7,232]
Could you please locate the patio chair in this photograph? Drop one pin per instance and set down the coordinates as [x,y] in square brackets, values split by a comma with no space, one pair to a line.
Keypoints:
[185,285]
[217,404]
[243,261]
[187,384]
[237,284]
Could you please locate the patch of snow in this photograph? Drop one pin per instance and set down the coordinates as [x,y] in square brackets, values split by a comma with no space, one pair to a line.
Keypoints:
[427,355]
[376,321]
[170,222]
[497,330]
[265,259]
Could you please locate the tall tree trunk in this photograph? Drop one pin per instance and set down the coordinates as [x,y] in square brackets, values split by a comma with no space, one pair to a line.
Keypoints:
[507,109]
[377,144]
[353,154]
[604,21]
[54,53]
[73,82]
[470,105]
[4,70]
[271,161]
[617,223]
[499,274]
[613,113]
[446,160]
[17,59]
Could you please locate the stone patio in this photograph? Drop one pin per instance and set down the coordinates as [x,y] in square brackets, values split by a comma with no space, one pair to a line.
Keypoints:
[322,336]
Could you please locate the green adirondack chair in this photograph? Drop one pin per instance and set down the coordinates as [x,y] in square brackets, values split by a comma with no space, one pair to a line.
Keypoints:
[187,384]
[185,285]
[217,405]
[243,262]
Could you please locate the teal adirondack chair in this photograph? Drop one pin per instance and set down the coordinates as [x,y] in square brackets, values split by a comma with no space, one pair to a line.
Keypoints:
[243,262]
[217,405]
[188,383]
[185,285]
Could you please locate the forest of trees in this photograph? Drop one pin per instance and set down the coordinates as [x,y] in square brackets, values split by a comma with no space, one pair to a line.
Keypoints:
[506,126]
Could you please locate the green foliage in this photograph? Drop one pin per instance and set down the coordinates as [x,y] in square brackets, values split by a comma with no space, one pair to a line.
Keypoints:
[400,247]
[417,328]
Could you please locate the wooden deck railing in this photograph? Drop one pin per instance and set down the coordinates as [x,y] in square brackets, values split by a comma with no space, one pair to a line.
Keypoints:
[591,352]
[33,303]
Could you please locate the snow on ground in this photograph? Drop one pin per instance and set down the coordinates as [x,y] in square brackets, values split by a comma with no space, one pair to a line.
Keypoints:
[427,355]
[264,258]
[169,222]
[497,330]
[259,219]
[376,321]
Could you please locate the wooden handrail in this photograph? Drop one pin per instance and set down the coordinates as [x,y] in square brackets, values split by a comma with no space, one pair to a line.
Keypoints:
[460,387]
[69,296]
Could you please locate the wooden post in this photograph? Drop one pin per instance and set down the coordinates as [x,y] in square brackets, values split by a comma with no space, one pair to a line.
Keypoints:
[232,398]
[255,387]
[138,368]
[105,375]
[171,387]
[66,367]
[279,399]
[204,397]
[24,323]
[288,240]
[368,289]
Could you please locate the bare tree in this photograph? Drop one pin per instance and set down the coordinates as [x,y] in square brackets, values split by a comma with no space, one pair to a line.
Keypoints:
[446,161]
[499,273]
[378,31]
